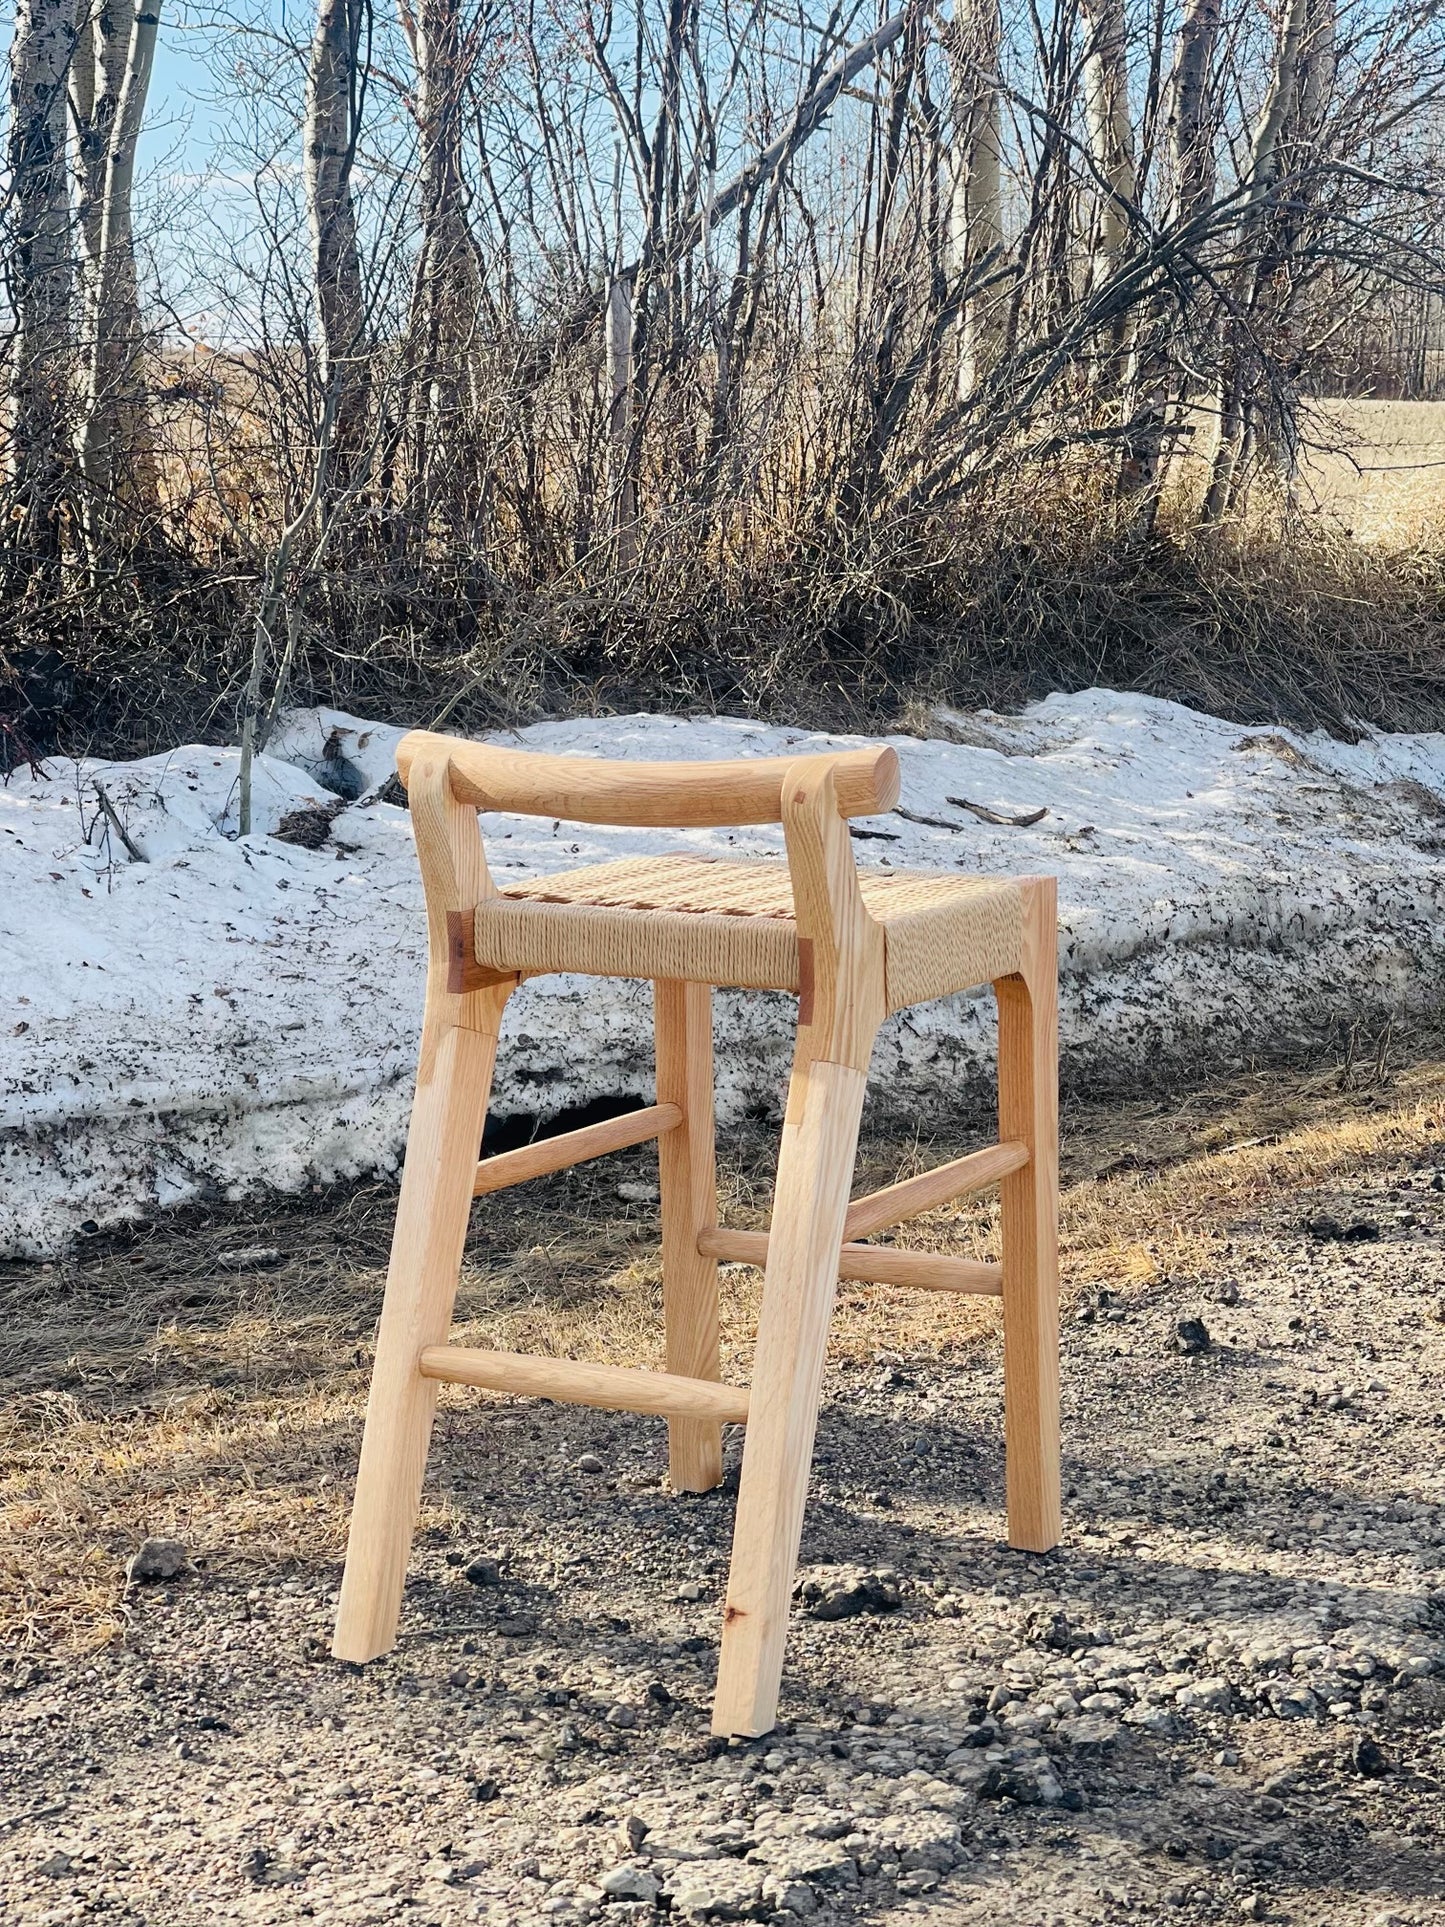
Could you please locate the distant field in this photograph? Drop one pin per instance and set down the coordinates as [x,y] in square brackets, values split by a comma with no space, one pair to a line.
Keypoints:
[1377,468]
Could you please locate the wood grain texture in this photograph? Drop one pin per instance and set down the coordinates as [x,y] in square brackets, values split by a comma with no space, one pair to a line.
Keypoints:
[454,1078]
[1028,1111]
[870,1264]
[839,1016]
[963,1177]
[583,789]
[611,1388]
[815,1170]
[682,1021]
[426,1255]
[574,1147]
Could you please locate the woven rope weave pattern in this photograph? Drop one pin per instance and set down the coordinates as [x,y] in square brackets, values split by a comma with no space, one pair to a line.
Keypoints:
[710,920]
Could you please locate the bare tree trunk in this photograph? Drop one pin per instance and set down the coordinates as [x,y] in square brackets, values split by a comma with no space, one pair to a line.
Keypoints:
[1191,109]
[116,448]
[619,419]
[1246,249]
[1314,79]
[41,277]
[977,197]
[1150,391]
[1111,131]
[447,291]
[333,115]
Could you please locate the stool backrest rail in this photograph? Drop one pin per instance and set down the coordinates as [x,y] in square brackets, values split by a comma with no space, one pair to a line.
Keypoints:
[677,796]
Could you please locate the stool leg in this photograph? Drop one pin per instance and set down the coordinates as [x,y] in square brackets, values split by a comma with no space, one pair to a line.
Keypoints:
[687,1178]
[442,1147]
[815,1174]
[1028,1100]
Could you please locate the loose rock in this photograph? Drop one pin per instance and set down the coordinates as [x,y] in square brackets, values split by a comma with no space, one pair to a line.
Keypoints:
[157,1559]
[838,1592]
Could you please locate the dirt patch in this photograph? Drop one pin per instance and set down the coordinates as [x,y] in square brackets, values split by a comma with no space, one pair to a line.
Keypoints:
[1221,1698]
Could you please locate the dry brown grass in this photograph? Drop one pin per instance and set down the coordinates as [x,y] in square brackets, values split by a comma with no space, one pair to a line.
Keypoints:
[1376,470]
[147,1391]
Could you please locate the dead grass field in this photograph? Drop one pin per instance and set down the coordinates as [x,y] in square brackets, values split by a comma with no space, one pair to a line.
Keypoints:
[1376,469]
[148,1390]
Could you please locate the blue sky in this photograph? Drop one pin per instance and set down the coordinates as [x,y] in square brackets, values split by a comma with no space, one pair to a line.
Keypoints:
[189,65]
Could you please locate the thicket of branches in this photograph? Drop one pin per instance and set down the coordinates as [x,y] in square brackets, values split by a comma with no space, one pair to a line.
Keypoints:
[718,353]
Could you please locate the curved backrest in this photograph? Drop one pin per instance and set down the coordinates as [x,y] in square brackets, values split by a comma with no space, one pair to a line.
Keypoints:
[583,789]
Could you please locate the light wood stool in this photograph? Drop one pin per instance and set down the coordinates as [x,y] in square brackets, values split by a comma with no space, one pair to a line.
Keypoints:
[853,948]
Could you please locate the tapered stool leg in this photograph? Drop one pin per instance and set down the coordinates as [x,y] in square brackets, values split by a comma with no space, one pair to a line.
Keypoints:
[687,1179]
[1028,1096]
[815,1172]
[453,1085]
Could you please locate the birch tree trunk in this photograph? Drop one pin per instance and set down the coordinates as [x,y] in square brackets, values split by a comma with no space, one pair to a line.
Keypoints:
[332,123]
[1247,240]
[1191,110]
[1110,130]
[116,448]
[977,187]
[41,276]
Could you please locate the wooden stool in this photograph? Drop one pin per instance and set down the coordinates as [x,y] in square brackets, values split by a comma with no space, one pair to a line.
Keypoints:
[853,948]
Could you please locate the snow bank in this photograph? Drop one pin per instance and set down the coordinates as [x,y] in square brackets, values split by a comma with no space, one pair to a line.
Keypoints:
[235,1012]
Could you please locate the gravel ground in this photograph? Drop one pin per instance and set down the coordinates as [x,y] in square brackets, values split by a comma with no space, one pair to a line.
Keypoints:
[1222,1698]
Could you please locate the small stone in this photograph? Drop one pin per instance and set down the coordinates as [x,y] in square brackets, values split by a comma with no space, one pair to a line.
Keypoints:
[1293,1702]
[691,1590]
[725,1889]
[483,1572]
[840,1592]
[254,1863]
[632,1831]
[1253,1907]
[1191,1336]
[1103,1705]
[157,1559]
[790,1897]
[621,1716]
[56,1865]
[1151,1719]
[1206,1696]
[1228,1293]
[1367,1757]
[589,1462]
[1052,1629]
[516,1626]
[631,1883]
[249,1258]
[1357,1231]
[1088,1733]
[1005,1782]
[486,1790]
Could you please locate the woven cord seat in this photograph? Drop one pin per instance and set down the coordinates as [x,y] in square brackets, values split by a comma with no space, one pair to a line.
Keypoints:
[853,946]
[717,921]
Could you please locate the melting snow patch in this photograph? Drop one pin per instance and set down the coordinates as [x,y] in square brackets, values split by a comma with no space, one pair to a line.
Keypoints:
[196,1013]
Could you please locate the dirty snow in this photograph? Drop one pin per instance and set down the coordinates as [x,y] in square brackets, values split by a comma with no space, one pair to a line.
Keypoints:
[235,1012]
